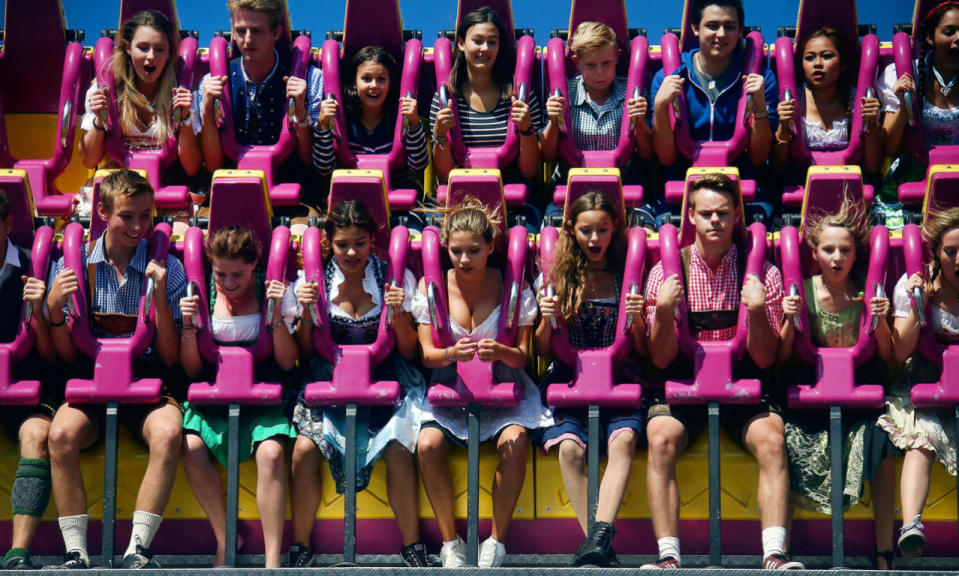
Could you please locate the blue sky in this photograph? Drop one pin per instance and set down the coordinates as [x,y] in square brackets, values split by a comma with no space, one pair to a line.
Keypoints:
[430,15]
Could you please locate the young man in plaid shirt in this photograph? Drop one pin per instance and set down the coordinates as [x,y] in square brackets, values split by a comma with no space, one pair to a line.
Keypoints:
[116,265]
[713,295]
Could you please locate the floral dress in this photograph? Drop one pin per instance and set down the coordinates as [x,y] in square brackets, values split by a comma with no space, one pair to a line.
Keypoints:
[908,427]
[807,431]
[530,414]
[377,426]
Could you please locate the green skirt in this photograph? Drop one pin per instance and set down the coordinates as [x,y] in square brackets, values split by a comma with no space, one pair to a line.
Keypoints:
[256,425]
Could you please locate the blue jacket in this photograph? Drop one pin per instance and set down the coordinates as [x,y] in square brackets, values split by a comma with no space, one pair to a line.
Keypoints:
[716,122]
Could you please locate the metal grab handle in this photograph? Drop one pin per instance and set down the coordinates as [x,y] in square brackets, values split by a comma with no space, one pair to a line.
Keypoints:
[28,311]
[870,93]
[513,301]
[389,310]
[797,320]
[880,293]
[270,308]
[291,110]
[788,97]
[523,93]
[104,118]
[192,289]
[444,97]
[72,306]
[332,125]
[919,305]
[633,290]
[636,94]
[406,120]
[431,299]
[557,93]
[218,109]
[749,110]
[550,292]
[910,113]
[148,298]
[65,123]
[315,314]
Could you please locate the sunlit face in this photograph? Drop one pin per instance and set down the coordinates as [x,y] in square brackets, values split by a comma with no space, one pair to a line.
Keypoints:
[594,231]
[468,252]
[719,32]
[130,220]
[372,84]
[253,35]
[945,41]
[480,47]
[714,215]
[949,256]
[820,63]
[233,277]
[835,253]
[598,66]
[351,248]
[149,50]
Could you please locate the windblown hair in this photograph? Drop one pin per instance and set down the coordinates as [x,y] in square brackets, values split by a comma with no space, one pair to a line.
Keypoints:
[853,218]
[351,97]
[927,31]
[275,9]
[233,242]
[591,36]
[936,226]
[130,101]
[347,214]
[505,58]
[570,272]
[471,216]
[125,183]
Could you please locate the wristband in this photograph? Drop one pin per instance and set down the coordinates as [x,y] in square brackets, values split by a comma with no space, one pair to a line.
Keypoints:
[60,323]
[529,131]
[447,353]
[100,128]
[764,113]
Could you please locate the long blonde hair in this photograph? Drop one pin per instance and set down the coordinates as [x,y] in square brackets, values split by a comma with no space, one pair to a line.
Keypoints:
[130,100]
[935,228]
[570,272]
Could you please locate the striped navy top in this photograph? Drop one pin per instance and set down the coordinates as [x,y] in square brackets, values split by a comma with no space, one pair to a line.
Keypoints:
[488,129]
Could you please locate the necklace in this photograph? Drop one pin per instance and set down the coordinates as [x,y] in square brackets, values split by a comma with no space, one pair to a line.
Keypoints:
[944,88]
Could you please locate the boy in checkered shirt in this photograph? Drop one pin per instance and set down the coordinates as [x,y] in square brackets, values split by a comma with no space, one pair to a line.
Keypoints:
[596,98]
[116,266]
[714,269]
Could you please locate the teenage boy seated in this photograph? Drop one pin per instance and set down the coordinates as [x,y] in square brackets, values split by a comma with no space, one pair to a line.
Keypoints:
[711,77]
[29,424]
[115,268]
[714,270]
[596,98]
[261,86]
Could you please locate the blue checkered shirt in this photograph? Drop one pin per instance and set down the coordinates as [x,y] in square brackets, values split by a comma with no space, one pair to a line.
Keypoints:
[596,127]
[123,297]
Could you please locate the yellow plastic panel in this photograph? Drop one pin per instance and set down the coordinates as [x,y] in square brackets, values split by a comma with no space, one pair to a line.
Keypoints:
[34,136]
[370,503]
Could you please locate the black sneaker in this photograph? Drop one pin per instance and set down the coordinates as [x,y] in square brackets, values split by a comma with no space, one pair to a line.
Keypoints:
[594,551]
[141,558]
[415,556]
[74,561]
[18,562]
[299,556]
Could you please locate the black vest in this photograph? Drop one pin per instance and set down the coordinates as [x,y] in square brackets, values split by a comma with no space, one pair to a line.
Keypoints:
[258,121]
[11,297]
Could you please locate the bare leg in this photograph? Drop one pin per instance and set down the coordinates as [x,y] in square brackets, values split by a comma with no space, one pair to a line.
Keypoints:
[431,450]
[271,497]
[163,434]
[33,444]
[70,432]
[305,490]
[766,441]
[513,447]
[883,488]
[667,440]
[402,491]
[914,486]
[204,480]
[612,489]
[572,466]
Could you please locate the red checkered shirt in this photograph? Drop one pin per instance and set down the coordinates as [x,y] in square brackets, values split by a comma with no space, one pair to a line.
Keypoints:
[709,290]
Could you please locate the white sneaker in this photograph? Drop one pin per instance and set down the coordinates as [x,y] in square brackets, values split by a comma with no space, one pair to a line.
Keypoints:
[491,553]
[453,554]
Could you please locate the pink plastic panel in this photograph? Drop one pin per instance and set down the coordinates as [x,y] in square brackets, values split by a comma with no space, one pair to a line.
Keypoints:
[384,30]
[841,16]
[609,12]
[129,8]
[486,188]
[368,190]
[246,206]
[34,40]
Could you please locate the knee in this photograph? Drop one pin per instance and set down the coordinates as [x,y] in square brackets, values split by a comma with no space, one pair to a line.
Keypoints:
[305,452]
[62,440]
[514,445]
[270,455]
[771,449]
[166,437]
[431,445]
[663,449]
[571,455]
[397,455]
[34,434]
[623,446]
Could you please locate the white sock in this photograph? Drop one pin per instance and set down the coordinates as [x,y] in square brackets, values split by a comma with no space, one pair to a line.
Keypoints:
[74,530]
[774,541]
[669,546]
[145,526]
[451,542]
